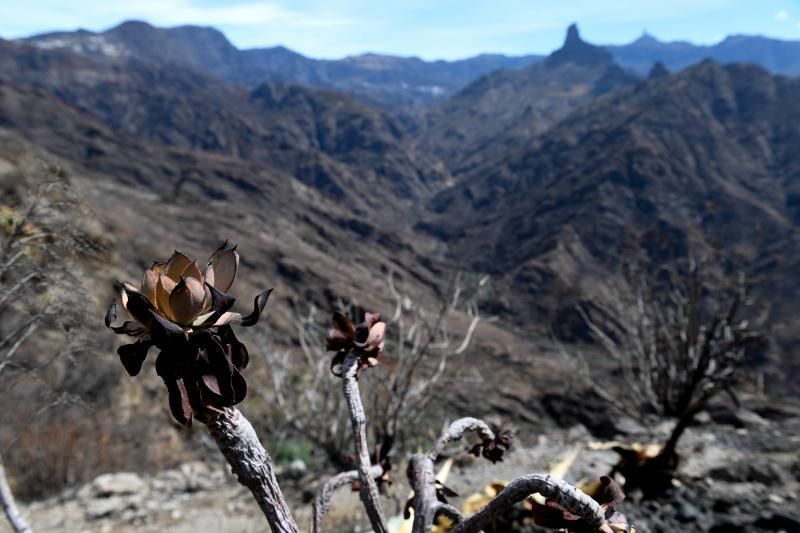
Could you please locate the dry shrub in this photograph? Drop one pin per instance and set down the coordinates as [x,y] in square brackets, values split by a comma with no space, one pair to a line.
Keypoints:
[421,359]
[51,456]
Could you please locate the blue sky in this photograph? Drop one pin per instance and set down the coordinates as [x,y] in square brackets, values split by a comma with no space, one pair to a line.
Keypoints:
[444,29]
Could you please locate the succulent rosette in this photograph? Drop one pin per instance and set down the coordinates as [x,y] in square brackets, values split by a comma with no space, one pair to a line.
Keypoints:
[365,340]
[185,313]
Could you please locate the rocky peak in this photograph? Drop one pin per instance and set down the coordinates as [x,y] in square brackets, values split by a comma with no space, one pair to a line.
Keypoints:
[196,46]
[646,39]
[192,36]
[132,27]
[573,36]
[576,50]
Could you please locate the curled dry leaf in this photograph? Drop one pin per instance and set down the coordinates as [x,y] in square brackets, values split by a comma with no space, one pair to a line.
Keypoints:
[495,449]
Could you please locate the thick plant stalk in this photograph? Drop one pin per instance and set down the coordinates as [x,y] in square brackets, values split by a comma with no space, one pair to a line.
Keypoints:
[322,503]
[423,479]
[368,488]
[9,506]
[566,495]
[251,463]
[425,504]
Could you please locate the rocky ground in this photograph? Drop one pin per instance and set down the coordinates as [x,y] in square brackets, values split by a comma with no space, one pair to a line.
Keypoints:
[740,472]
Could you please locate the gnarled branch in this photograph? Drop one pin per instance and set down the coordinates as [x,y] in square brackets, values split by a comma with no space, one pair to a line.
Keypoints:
[422,478]
[251,463]
[426,504]
[568,496]
[322,502]
[456,430]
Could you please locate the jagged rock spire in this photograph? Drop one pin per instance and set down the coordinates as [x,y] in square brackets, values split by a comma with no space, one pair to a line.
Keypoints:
[573,36]
[576,50]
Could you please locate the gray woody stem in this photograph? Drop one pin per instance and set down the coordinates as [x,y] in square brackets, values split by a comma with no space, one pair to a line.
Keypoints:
[368,489]
[426,506]
[322,503]
[9,507]
[251,463]
[423,479]
[566,495]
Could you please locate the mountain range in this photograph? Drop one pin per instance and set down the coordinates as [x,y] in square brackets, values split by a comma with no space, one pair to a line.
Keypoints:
[383,79]
[775,55]
[542,179]
[377,78]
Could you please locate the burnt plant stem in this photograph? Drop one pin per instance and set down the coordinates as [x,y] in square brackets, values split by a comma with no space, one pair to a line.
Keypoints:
[426,505]
[368,489]
[322,503]
[251,464]
[684,422]
[566,495]
[422,478]
[9,505]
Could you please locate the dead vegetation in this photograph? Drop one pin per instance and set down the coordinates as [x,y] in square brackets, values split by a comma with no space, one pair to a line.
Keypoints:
[418,363]
[673,341]
[39,286]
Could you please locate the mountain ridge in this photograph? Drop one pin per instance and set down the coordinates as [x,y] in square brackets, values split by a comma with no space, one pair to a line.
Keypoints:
[382,79]
[385,79]
[779,56]
[700,160]
[505,109]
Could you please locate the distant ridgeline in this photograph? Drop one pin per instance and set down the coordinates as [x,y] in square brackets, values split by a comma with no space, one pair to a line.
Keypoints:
[383,79]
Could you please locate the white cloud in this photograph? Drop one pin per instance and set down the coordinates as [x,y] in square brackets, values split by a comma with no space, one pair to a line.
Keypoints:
[172,12]
[250,14]
[782,15]
[16,19]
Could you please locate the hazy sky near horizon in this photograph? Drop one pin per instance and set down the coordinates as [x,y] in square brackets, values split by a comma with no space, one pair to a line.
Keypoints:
[443,29]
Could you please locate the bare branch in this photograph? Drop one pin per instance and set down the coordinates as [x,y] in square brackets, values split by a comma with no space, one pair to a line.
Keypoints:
[322,502]
[567,496]
[32,326]
[16,520]
[413,383]
[421,474]
[456,430]
[670,345]
[17,286]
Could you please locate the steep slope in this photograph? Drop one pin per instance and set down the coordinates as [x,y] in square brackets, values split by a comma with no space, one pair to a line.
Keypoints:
[148,196]
[504,109]
[309,179]
[705,159]
[387,80]
[157,188]
[326,140]
[384,168]
[777,56]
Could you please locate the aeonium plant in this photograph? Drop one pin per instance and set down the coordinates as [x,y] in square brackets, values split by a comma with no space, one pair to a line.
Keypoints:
[364,340]
[185,313]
